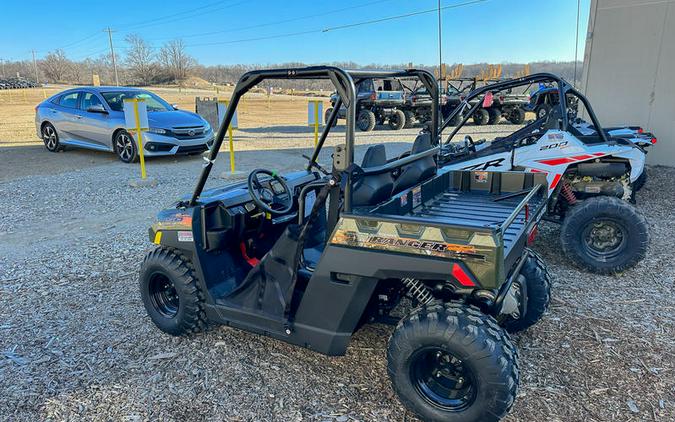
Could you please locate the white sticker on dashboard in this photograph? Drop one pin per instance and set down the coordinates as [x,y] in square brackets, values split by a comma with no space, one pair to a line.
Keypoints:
[184,236]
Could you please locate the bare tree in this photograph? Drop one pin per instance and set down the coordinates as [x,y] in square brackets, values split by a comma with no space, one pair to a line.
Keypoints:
[140,61]
[56,65]
[175,60]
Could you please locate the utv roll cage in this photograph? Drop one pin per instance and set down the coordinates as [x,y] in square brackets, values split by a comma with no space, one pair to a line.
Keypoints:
[563,88]
[345,82]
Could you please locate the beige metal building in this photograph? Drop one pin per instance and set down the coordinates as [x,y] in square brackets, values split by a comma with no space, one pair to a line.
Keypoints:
[629,68]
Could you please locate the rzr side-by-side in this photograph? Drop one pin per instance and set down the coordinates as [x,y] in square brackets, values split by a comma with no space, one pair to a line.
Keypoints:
[310,256]
[591,175]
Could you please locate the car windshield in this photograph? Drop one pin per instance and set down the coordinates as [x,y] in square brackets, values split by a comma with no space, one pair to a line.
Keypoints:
[115,100]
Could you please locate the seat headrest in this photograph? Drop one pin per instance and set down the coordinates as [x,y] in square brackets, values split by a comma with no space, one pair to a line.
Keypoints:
[422,143]
[375,155]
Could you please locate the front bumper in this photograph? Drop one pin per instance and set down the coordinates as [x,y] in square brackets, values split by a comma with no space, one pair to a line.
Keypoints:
[155,145]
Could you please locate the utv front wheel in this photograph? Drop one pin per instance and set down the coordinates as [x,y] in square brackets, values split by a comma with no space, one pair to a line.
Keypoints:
[481,117]
[397,120]
[452,362]
[605,235]
[495,115]
[365,120]
[517,116]
[171,292]
[538,289]
[409,119]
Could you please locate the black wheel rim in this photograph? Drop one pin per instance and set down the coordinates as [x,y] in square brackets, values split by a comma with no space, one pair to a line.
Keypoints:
[163,295]
[542,113]
[604,239]
[363,121]
[442,379]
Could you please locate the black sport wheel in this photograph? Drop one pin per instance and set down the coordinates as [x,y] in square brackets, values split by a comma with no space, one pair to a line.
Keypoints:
[542,111]
[171,293]
[365,120]
[451,362]
[397,120]
[494,115]
[537,281]
[125,147]
[605,235]
[409,119]
[50,138]
[640,181]
[517,116]
[327,116]
[481,117]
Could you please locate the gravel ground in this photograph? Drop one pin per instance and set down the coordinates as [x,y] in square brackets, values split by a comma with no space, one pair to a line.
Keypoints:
[76,344]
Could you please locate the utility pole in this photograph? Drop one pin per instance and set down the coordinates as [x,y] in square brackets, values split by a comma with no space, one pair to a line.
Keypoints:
[37,78]
[440,54]
[112,53]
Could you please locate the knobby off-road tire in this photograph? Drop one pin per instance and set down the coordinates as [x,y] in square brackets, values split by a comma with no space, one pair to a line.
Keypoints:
[469,347]
[409,119]
[365,120]
[171,292]
[542,111]
[481,117]
[538,285]
[586,235]
[326,116]
[640,181]
[397,120]
[517,116]
[495,115]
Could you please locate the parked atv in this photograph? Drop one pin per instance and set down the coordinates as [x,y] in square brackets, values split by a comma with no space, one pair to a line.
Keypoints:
[309,257]
[379,101]
[591,177]
[507,104]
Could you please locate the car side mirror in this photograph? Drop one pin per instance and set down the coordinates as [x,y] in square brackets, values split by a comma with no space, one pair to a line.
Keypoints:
[97,108]
[175,106]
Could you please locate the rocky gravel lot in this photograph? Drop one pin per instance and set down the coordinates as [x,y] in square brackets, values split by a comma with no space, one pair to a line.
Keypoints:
[76,344]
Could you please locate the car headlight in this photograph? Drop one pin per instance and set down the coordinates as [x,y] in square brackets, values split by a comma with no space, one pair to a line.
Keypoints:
[157,131]
[207,126]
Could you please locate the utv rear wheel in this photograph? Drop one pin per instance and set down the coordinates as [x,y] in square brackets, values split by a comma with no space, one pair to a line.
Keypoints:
[409,119]
[538,285]
[495,115]
[397,120]
[605,235]
[125,147]
[542,111]
[451,362]
[327,116]
[365,120]
[481,117]
[171,293]
[640,181]
[517,116]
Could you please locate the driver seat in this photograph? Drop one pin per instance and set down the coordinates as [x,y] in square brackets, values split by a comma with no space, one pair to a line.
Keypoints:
[374,188]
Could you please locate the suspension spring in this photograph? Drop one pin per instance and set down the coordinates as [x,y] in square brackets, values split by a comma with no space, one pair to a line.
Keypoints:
[418,290]
[566,191]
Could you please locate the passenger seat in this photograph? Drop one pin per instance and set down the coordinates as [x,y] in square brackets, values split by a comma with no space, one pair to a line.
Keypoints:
[417,171]
[373,189]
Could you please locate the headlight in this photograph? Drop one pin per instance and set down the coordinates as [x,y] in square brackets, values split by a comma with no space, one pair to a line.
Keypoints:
[207,126]
[157,130]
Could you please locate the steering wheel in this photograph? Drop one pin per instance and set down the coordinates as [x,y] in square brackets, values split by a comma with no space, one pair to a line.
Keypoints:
[264,198]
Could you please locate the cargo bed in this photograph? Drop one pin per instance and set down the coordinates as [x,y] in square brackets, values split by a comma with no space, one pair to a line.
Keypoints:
[505,206]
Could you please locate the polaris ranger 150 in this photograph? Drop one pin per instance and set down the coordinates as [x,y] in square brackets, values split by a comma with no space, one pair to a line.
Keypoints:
[248,255]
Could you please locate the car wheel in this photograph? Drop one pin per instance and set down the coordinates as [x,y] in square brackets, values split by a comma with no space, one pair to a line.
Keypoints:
[481,117]
[365,120]
[495,115]
[125,147]
[51,138]
[397,120]
[542,111]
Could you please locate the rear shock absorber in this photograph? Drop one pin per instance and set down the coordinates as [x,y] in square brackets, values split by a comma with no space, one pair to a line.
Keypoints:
[418,290]
[566,191]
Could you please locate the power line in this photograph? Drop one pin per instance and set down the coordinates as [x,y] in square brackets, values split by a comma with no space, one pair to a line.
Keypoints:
[406,15]
[181,15]
[262,25]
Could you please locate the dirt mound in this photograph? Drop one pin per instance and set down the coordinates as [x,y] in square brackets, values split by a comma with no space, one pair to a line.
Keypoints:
[196,82]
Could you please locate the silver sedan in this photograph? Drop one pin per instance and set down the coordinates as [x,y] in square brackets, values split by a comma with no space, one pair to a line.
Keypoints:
[93,118]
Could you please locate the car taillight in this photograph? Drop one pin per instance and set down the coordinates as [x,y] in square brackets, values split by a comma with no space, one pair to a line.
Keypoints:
[640,130]
[373,96]
[653,141]
[461,276]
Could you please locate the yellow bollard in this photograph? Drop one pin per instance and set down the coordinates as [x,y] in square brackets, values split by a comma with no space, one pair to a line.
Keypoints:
[24,95]
[140,138]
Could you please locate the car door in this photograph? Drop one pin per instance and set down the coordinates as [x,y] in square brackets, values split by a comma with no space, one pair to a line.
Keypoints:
[64,115]
[93,124]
